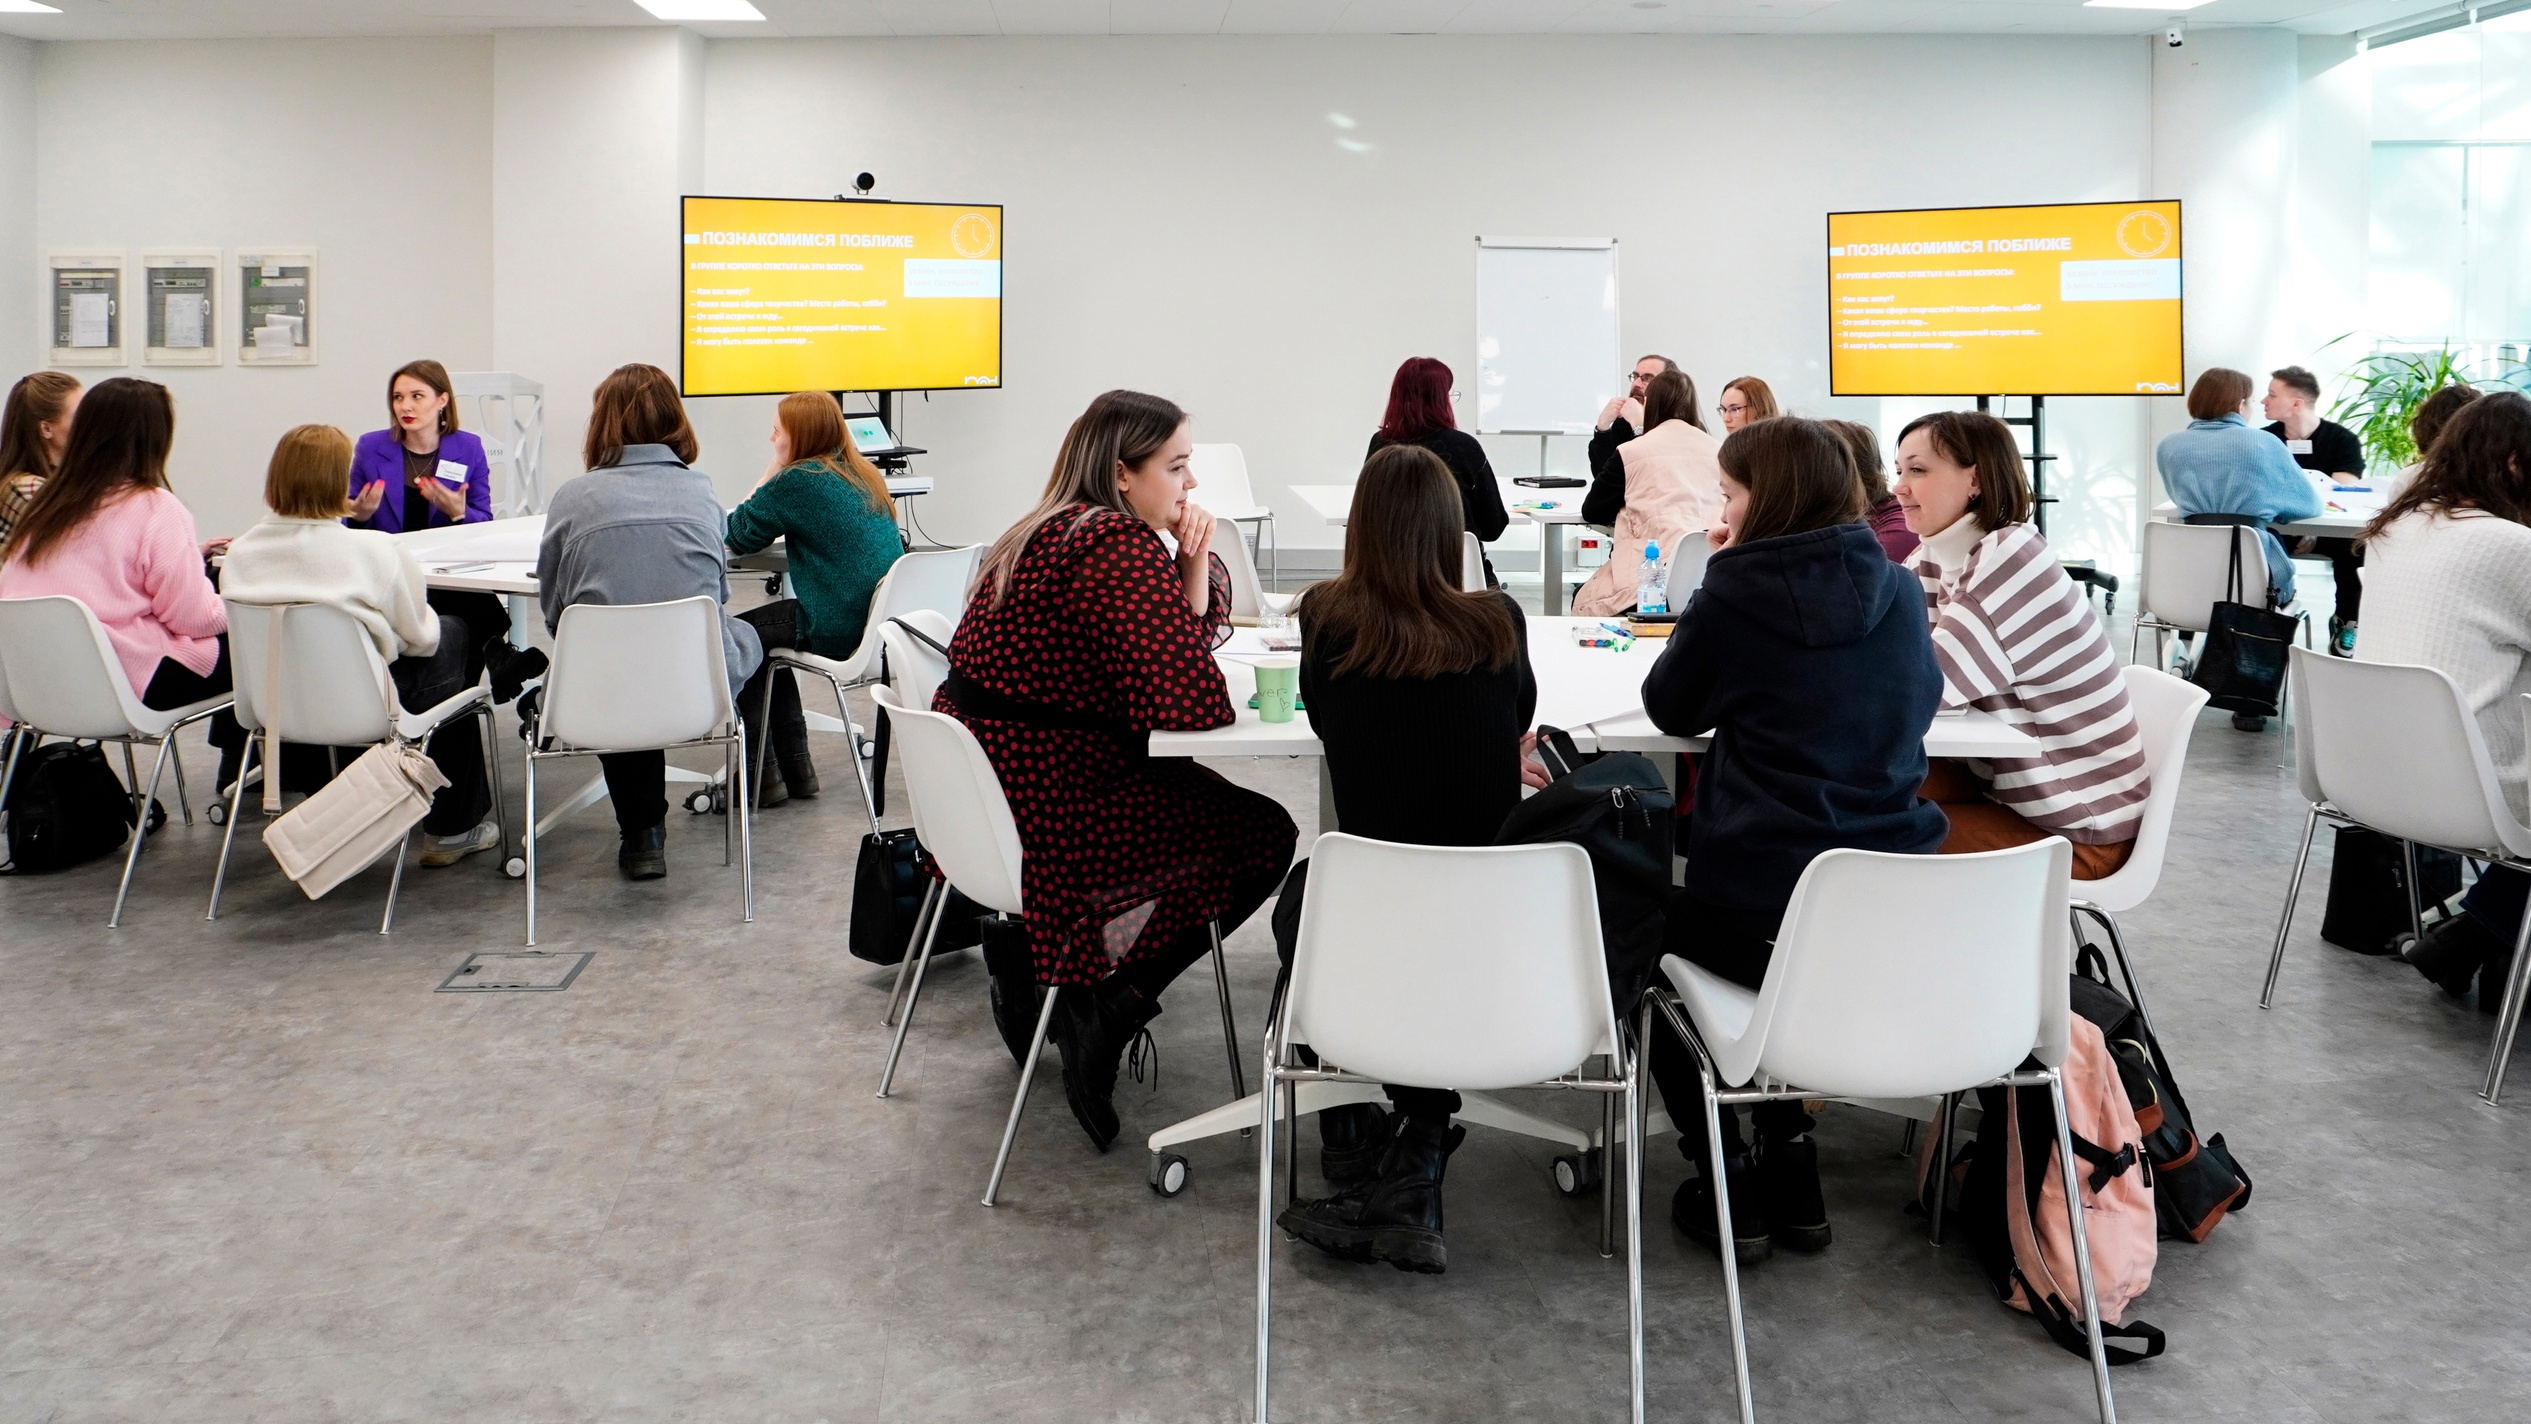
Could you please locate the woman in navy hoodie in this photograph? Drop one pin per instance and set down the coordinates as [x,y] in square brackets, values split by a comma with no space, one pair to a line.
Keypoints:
[1806,651]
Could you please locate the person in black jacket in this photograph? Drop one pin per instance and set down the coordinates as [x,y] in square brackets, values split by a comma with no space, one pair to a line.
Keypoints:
[1422,695]
[1806,651]
[1419,414]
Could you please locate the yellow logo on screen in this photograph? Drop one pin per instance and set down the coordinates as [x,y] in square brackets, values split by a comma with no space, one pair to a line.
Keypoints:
[2144,233]
[971,234]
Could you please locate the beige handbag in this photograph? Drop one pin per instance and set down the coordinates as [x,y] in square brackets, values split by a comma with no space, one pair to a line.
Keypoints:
[362,814]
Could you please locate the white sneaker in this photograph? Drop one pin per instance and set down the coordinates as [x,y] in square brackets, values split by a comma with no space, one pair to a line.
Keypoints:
[448,850]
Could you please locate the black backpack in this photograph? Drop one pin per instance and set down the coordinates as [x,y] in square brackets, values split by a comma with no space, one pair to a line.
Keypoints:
[66,807]
[1616,808]
[2195,1181]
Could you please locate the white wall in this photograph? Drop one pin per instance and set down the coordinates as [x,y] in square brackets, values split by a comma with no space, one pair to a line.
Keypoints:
[20,311]
[375,152]
[595,133]
[1188,216]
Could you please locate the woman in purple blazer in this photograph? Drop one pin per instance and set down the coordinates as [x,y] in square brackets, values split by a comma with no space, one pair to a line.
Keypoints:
[422,473]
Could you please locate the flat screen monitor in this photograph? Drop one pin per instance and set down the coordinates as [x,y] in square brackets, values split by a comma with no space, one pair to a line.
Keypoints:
[2076,299]
[797,294]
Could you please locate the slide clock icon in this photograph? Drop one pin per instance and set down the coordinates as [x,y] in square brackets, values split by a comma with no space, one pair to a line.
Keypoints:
[2144,233]
[972,235]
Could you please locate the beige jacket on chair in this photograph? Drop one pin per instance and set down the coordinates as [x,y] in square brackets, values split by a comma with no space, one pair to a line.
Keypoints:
[1673,493]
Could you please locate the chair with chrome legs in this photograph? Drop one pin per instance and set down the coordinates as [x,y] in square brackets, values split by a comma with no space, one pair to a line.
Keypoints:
[933,580]
[64,680]
[963,819]
[2393,748]
[1463,967]
[915,669]
[637,677]
[330,688]
[1895,976]
[2166,716]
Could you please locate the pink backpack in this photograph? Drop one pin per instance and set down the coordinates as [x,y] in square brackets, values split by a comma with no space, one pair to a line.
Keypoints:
[2024,1236]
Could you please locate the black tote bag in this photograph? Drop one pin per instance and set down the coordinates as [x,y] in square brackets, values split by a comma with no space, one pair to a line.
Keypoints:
[2243,665]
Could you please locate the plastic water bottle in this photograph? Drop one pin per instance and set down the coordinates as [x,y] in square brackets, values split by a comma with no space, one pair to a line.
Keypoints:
[1652,583]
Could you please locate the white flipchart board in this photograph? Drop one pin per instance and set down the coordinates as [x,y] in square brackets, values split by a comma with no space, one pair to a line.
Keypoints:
[1546,333]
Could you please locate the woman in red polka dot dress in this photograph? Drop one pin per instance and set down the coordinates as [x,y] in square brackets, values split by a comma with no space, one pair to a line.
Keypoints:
[1085,634]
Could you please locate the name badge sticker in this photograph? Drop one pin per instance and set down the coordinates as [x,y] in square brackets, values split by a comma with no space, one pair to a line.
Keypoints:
[2292,447]
[453,472]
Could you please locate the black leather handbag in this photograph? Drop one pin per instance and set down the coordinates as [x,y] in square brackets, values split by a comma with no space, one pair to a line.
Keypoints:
[1616,807]
[2243,665]
[887,896]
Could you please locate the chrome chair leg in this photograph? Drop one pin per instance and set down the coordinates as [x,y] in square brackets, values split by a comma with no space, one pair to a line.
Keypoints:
[492,779]
[395,885]
[184,803]
[529,838]
[1230,1027]
[1274,1088]
[1608,1169]
[2073,1173]
[2408,864]
[746,845]
[1634,1222]
[1019,1100]
[2285,921]
[228,837]
[932,897]
[140,830]
[2510,1021]
[913,997]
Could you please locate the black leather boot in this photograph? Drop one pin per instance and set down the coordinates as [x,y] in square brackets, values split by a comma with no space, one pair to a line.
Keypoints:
[1396,1218]
[798,773]
[773,787]
[1692,1212]
[2451,953]
[1093,1028]
[1788,1184]
[644,854]
[1351,1141]
[511,668]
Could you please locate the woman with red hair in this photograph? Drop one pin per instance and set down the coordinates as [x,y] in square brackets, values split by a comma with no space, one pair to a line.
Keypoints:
[1419,414]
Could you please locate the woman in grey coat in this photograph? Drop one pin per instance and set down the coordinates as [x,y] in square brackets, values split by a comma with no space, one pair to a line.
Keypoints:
[642,526]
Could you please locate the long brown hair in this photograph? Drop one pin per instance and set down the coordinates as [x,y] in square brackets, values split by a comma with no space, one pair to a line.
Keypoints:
[1120,428]
[1398,604]
[1864,448]
[1986,445]
[636,405]
[35,400]
[2482,460]
[433,375]
[819,437]
[1799,475]
[118,444]
[1670,396]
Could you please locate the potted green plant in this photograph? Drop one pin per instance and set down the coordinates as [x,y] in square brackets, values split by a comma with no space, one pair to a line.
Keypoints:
[2387,388]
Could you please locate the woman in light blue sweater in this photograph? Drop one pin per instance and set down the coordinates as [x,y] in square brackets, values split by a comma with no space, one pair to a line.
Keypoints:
[2223,465]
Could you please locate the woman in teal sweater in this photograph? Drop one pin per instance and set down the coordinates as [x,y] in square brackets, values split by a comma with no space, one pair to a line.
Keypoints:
[831,507]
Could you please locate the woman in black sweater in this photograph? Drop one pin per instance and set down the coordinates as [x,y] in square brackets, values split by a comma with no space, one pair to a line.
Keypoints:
[1422,695]
[1419,414]
[1807,653]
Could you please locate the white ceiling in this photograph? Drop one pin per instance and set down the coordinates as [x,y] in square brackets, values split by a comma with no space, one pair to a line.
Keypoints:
[265,19]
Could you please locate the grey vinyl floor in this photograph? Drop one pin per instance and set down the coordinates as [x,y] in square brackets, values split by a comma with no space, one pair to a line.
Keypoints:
[258,1170]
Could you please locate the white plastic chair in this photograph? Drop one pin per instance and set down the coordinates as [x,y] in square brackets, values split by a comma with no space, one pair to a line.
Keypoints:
[335,692]
[963,819]
[1471,563]
[933,579]
[2187,571]
[2393,748]
[1895,976]
[915,671]
[640,677]
[2166,711]
[1221,487]
[1249,600]
[64,680]
[1469,968]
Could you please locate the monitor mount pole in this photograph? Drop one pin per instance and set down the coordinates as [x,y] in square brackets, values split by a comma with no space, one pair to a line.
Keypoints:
[2082,572]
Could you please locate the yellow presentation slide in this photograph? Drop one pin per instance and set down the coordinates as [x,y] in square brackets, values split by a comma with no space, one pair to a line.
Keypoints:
[2081,299]
[795,294]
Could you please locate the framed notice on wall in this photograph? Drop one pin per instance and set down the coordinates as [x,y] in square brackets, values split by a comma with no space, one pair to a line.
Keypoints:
[180,299]
[274,295]
[86,308]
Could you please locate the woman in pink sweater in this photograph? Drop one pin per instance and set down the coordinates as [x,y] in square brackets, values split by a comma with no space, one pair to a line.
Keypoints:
[106,530]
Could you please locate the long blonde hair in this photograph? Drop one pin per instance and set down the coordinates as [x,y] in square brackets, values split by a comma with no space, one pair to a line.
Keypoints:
[1120,428]
[818,437]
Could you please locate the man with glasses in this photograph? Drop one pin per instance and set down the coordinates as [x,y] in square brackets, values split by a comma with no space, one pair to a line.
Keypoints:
[1622,418]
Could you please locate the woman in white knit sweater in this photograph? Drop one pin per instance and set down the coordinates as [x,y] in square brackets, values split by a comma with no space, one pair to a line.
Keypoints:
[302,553]
[2447,584]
